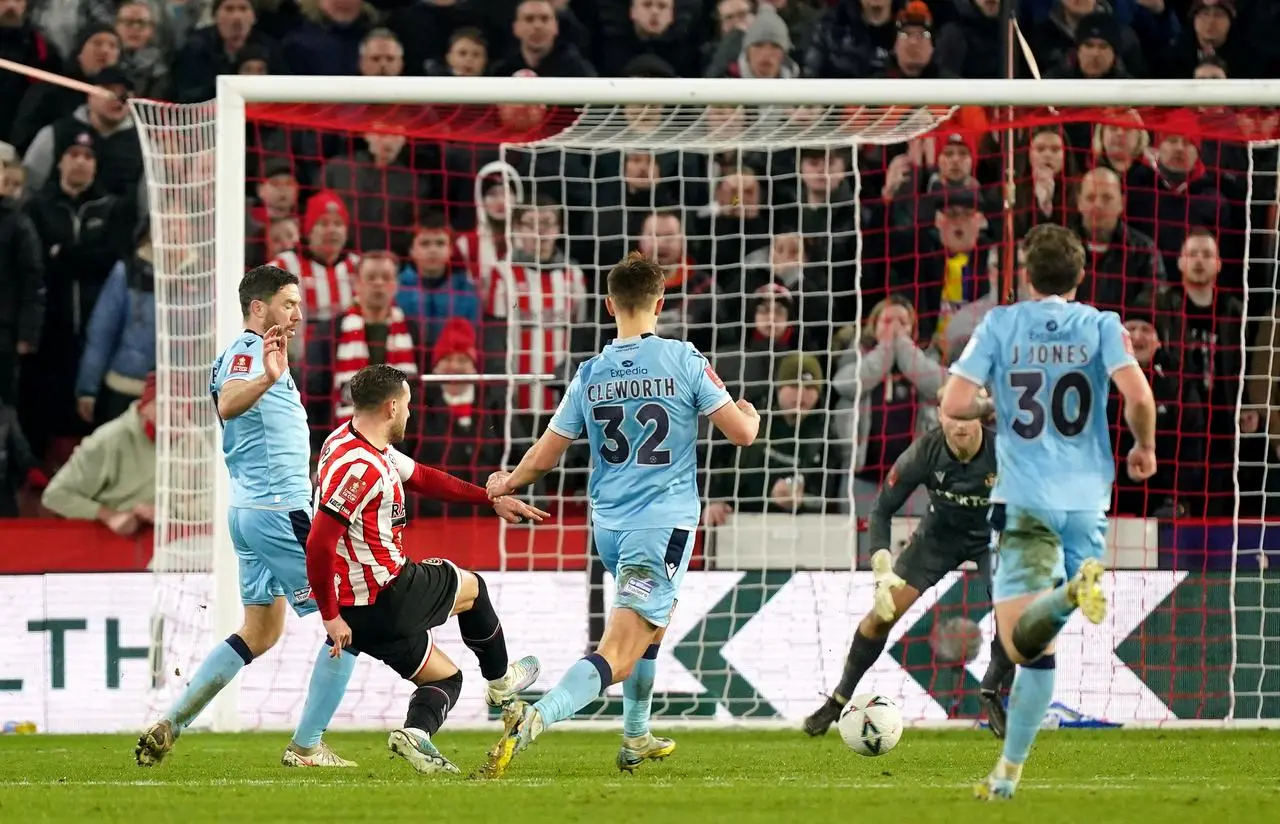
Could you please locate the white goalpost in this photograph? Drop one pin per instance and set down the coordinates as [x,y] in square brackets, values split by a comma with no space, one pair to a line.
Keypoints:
[767,619]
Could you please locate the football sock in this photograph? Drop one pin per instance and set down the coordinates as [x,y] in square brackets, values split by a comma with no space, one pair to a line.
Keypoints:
[581,685]
[999,669]
[482,633]
[1028,704]
[222,664]
[329,680]
[863,652]
[431,703]
[637,694]
[1041,622]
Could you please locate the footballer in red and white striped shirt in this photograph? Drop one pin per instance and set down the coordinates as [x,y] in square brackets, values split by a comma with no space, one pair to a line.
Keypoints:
[374,600]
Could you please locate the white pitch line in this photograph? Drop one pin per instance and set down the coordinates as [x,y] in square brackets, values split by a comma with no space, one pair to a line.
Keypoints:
[1099,786]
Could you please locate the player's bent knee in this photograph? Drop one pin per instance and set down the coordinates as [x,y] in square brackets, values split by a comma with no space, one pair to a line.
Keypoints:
[469,588]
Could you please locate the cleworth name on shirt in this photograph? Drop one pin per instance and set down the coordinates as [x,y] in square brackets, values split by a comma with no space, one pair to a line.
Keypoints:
[629,383]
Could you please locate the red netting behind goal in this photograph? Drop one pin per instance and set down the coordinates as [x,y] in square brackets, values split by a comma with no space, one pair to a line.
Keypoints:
[862,267]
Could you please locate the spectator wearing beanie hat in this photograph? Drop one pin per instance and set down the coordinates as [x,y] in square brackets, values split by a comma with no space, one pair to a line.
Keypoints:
[1180,429]
[462,423]
[766,49]
[1212,28]
[115,135]
[97,48]
[83,231]
[913,45]
[793,466]
[1054,40]
[324,268]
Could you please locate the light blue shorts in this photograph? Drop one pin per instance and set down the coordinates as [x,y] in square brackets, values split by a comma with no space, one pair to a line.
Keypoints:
[648,566]
[1038,548]
[271,545]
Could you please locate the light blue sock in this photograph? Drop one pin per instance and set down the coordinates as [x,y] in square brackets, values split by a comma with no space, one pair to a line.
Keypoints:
[637,694]
[1028,704]
[1041,622]
[581,685]
[222,664]
[328,684]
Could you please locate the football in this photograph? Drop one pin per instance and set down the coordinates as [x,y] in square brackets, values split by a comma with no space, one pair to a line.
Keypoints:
[870,724]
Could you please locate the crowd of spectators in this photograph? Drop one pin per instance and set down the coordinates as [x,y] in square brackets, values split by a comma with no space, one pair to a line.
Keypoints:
[819,280]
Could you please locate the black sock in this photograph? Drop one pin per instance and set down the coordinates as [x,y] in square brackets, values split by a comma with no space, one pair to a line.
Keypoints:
[999,671]
[431,703]
[863,652]
[482,633]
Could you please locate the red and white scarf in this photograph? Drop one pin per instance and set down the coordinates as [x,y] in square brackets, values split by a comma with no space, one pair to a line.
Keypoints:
[352,354]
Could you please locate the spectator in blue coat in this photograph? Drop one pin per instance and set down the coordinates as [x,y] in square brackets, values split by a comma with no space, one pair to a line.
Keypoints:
[432,290]
[328,41]
[120,345]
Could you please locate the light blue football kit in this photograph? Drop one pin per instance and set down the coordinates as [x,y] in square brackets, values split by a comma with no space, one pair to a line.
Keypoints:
[1048,364]
[267,450]
[638,402]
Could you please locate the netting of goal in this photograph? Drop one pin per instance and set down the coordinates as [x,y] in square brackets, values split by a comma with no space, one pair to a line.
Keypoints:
[800,231]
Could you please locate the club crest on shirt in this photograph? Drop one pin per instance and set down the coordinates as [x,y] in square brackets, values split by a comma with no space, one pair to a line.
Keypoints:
[991,480]
[241,364]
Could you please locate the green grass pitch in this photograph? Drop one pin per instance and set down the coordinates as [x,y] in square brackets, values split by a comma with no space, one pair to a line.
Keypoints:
[1082,777]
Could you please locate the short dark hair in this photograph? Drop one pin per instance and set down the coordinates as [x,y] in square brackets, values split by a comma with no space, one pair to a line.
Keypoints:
[374,385]
[1055,259]
[635,282]
[431,220]
[262,283]
[469,33]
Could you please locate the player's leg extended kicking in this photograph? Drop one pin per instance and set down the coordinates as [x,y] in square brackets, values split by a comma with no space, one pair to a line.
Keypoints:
[1034,601]
[648,567]
[270,547]
[897,587]
[396,629]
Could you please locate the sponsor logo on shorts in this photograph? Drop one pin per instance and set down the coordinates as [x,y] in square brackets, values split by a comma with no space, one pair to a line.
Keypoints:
[302,595]
[639,588]
[241,364]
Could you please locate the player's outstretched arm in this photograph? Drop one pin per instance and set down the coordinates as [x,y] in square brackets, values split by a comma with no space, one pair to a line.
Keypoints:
[1140,414]
[739,422]
[237,396]
[441,486]
[907,473]
[541,458]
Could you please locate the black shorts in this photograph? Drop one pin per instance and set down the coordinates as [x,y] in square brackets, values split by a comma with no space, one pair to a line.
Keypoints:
[926,561]
[396,628]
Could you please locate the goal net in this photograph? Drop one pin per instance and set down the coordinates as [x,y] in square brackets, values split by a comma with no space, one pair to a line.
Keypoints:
[830,260]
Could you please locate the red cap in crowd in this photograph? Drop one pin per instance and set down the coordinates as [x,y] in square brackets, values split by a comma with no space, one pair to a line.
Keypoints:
[321,204]
[458,337]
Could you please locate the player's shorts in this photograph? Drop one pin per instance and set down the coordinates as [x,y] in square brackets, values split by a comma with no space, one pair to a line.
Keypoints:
[1038,548]
[271,545]
[396,628]
[927,560]
[648,566]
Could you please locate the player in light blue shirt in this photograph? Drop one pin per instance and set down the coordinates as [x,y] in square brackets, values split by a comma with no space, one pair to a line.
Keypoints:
[1048,363]
[266,445]
[638,402]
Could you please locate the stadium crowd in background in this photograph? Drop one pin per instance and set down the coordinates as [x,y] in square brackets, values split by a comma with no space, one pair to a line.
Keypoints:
[813,296]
